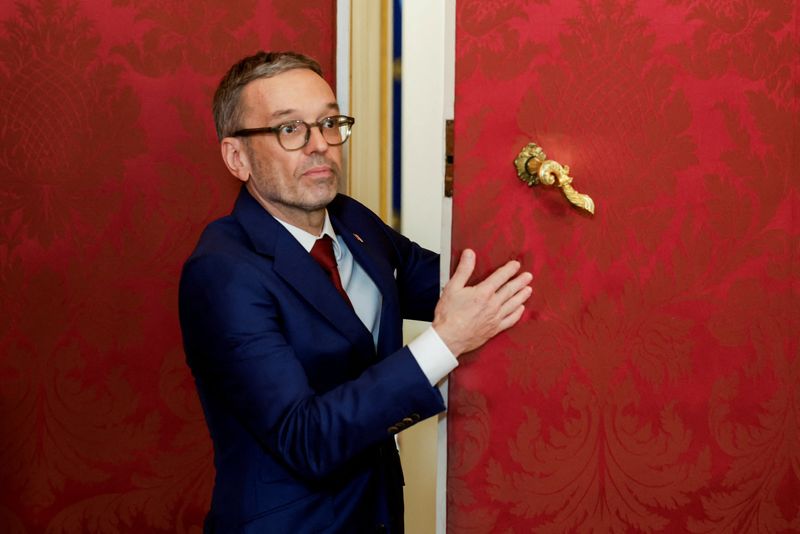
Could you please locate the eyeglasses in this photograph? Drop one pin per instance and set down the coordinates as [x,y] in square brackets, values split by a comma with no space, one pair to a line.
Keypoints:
[294,135]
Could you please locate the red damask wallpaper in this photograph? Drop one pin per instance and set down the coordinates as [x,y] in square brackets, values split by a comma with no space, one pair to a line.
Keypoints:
[109,169]
[654,385]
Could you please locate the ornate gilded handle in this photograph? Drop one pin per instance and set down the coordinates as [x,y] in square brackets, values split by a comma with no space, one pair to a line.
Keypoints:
[533,168]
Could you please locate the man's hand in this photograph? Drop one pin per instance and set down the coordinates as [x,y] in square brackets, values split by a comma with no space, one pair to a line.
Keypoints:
[466,317]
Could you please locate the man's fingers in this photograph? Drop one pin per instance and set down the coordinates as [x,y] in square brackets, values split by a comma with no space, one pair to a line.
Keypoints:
[497,279]
[515,301]
[464,269]
[512,287]
[466,317]
[511,319]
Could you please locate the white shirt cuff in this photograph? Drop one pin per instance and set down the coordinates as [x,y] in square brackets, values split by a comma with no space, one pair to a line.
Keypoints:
[432,355]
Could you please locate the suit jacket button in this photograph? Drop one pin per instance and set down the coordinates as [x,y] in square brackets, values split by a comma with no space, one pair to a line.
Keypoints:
[393,429]
[407,421]
[415,417]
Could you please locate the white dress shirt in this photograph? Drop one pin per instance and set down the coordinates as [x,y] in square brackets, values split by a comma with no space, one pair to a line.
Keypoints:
[428,349]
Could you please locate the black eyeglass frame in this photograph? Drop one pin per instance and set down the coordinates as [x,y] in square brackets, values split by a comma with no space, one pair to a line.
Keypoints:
[341,120]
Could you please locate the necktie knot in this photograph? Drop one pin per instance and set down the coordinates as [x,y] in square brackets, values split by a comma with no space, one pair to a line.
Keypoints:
[322,252]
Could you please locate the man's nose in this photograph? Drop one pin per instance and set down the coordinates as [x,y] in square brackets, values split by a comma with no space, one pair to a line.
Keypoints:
[316,141]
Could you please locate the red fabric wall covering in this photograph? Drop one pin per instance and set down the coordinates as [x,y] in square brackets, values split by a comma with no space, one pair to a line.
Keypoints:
[109,169]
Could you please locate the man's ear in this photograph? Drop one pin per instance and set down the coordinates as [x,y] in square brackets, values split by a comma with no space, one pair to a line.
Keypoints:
[235,157]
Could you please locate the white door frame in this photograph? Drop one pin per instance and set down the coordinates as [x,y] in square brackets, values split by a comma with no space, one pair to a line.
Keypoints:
[428,88]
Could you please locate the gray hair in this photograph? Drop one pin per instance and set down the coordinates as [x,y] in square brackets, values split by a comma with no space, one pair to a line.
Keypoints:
[225,106]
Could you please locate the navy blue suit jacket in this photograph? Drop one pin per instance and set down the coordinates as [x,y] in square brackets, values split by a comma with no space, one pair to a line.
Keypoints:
[300,405]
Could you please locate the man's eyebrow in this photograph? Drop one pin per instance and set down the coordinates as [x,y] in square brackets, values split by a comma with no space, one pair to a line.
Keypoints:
[284,112]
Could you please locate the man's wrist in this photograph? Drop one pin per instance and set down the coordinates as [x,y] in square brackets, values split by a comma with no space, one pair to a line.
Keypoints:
[433,355]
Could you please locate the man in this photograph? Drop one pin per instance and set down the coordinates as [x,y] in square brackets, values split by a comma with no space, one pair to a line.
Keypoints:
[301,371]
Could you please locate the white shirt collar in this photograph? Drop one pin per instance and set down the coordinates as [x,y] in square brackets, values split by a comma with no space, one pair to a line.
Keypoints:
[307,239]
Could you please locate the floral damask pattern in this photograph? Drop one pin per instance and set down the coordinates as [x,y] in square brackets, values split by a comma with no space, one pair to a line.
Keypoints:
[492,30]
[200,34]
[59,99]
[110,170]
[653,385]
[470,412]
[623,473]
[749,37]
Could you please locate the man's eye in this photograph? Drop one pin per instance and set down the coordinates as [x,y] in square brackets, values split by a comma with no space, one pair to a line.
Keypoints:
[329,123]
[289,129]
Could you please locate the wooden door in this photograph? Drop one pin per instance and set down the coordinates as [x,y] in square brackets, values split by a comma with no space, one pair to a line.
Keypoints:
[654,383]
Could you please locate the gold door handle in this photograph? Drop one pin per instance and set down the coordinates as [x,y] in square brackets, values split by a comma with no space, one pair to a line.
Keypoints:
[533,168]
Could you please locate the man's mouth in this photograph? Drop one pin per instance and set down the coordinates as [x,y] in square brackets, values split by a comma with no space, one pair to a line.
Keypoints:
[318,170]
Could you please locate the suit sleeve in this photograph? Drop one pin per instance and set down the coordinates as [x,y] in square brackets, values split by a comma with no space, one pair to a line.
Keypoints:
[237,350]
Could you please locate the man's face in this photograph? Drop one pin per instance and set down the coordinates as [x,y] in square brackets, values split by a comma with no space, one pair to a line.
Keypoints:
[291,184]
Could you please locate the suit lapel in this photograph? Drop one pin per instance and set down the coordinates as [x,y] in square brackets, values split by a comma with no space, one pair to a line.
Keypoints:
[375,262]
[299,270]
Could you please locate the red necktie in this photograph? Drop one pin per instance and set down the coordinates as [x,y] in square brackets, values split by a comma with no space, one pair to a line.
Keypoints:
[322,251]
